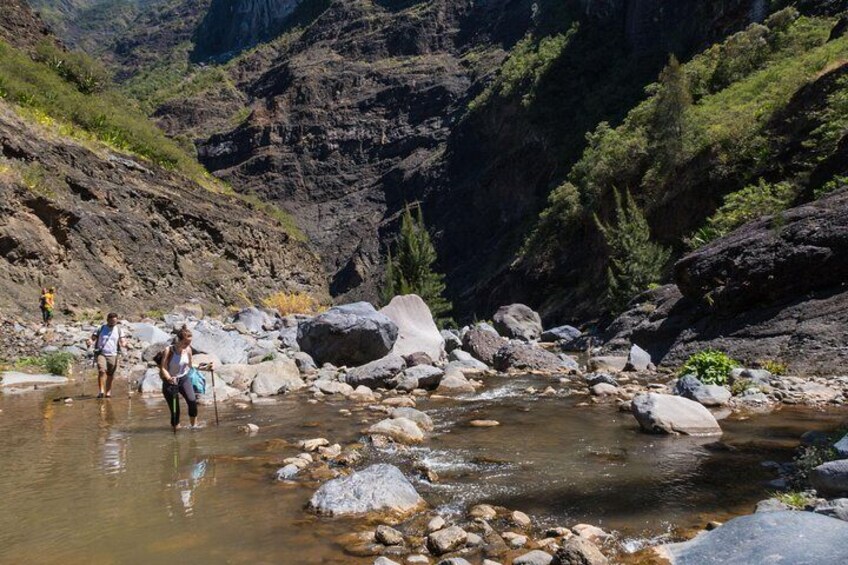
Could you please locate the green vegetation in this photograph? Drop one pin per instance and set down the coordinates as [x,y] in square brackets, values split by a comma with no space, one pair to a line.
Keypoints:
[56,363]
[706,134]
[411,269]
[809,457]
[55,94]
[794,498]
[710,366]
[739,386]
[774,367]
[636,263]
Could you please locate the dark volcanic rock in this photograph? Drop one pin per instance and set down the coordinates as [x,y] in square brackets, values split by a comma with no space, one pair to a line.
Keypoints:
[518,321]
[117,233]
[520,356]
[483,345]
[352,334]
[378,373]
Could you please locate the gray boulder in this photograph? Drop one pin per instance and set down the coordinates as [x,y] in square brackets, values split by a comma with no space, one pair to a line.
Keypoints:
[535,557]
[304,362]
[688,386]
[423,420]
[276,377]
[353,334]
[593,379]
[452,340]
[565,334]
[150,383]
[792,538]
[482,344]
[639,360]
[446,540]
[148,333]
[664,413]
[398,429]
[518,321]
[379,488]
[255,320]
[831,477]
[427,377]
[417,330]
[836,508]
[230,347]
[377,373]
[841,446]
[517,356]
[579,551]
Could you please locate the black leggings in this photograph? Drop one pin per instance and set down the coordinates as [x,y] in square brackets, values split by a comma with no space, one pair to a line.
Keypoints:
[171,392]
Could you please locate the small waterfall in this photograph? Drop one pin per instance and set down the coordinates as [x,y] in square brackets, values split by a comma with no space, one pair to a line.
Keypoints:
[759,11]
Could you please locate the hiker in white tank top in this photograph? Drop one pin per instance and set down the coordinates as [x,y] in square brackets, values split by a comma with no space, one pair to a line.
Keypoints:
[174,370]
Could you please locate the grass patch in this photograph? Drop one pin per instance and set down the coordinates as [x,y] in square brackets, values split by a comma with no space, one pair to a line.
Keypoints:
[794,499]
[710,367]
[55,363]
[287,303]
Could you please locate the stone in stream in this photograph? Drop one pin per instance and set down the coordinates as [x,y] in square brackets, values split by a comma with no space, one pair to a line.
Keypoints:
[484,423]
[333,387]
[604,389]
[377,373]
[150,383]
[379,488]
[525,357]
[436,524]
[388,535]
[561,333]
[831,477]
[688,386]
[276,377]
[638,360]
[399,430]
[611,363]
[455,383]
[535,557]
[483,512]
[579,551]
[790,537]
[417,332]
[423,420]
[482,344]
[446,540]
[287,472]
[21,380]
[426,377]
[664,413]
[382,560]
[589,532]
[518,321]
[349,335]
[454,561]
[313,444]
[520,519]
[593,379]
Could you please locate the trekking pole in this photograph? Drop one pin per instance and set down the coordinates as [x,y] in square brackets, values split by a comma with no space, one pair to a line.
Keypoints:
[174,408]
[214,395]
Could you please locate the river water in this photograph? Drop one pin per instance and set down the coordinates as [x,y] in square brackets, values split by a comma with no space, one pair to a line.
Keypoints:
[107,482]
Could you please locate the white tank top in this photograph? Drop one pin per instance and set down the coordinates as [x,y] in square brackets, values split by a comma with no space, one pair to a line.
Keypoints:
[180,363]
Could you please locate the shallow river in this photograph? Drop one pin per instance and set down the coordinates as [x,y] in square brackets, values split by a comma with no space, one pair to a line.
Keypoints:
[107,482]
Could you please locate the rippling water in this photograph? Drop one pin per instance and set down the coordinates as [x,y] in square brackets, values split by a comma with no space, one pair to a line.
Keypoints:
[107,482]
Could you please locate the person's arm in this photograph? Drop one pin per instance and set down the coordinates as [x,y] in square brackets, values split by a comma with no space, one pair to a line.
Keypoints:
[93,339]
[163,367]
[122,341]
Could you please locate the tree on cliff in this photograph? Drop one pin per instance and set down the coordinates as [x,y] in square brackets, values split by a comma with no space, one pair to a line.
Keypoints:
[410,271]
[672,100]
[635,261]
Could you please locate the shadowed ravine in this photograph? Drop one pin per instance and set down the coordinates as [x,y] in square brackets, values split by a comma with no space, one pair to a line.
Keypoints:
[108,480]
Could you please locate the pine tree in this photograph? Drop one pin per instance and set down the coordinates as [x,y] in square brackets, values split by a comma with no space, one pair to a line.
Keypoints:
[411,269]
[672,100]
[635,261]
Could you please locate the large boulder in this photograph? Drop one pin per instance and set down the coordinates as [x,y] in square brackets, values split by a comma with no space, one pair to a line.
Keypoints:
[518,321]
[452,340]
[427,377]
[417,332]
[377,373]
[638,360]
[230,347]
[517,356]
[482,344]
[148,333]
[831,477]
[255,320]
[565,334]
[352,334]
[276,377]
[579,551]
[398,429]
[664,413]
[150,383]
[688,386]
[379,488]
[791,538]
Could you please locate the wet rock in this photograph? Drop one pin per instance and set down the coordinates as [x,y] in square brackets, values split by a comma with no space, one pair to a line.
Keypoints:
[535,557]
[423,420]
[379,488]
[13,379]
[561,333]
[276,377]
[362,394]
[287,472]
[493,544]
[313,444]
[593,379]
[255,320]
[490,562]
[454,561]
[639,360]
[515,541]
[455,383]
[688,386]
[446,540]
[150,383]
[388,536]
[435,524]
[604,389]
[376,374]
[482,344]
[831,477]
[249,429]
[484,423]
[663,413]
[417,332]
[385,561]
[520,519]
[607,363]
[518,321]
[452,341]
[771,537]
[417,560]
[353,334]
[523,357]
[483,512]
[579,551]
[230,347]
[333,387]
[400,430]
[592,533]
[836,508]
[426,377]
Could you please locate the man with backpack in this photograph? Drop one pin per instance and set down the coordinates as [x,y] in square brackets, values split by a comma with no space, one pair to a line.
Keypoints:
[108,343]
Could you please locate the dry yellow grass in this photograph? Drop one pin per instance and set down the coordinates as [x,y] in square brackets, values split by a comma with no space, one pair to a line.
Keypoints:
[287,303]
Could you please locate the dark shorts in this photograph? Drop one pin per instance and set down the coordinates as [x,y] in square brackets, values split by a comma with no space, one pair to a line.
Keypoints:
[108,365]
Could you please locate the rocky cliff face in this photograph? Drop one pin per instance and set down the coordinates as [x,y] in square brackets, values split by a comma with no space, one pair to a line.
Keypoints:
[20,27]
[368,110]
[113,232]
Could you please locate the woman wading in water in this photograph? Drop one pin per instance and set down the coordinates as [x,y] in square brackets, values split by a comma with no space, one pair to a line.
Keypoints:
[174,371]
